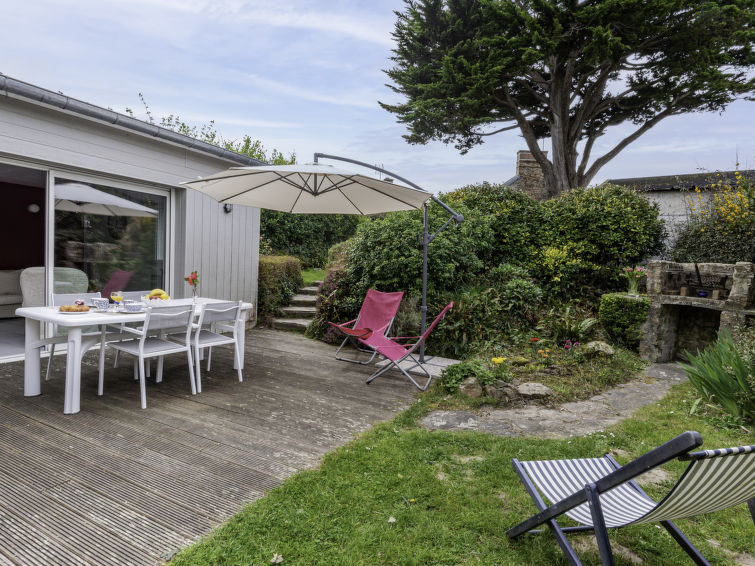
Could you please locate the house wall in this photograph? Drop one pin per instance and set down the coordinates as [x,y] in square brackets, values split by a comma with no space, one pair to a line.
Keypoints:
[222,247]
[673,211]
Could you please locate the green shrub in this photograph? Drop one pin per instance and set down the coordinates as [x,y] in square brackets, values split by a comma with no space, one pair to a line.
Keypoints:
[505,272]
[279,279]
[386,253]
[622,317]
[568,324]
[562,273]
[602,228]
[483,315]
[721,227]
[306,236]
[724,377]
[516,220]
[452,376]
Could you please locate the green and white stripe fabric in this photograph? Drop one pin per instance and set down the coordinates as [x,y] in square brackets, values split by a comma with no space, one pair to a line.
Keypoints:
[714,480]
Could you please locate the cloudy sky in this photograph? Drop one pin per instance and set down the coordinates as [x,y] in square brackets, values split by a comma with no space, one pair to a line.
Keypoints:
[301,76]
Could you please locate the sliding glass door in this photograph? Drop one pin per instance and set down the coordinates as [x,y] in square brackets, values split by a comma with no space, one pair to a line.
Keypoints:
[108,238]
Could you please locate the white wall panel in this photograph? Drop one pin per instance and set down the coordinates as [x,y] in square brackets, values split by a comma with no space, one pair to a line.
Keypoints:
[222,247]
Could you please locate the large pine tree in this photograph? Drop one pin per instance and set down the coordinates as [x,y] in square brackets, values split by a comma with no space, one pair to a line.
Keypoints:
[565,70]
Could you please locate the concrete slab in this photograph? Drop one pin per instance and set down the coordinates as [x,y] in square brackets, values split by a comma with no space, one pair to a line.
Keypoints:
[433,364]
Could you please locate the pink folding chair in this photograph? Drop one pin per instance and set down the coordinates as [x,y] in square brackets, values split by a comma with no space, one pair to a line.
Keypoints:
[117,282]
[375,319]
[397,353]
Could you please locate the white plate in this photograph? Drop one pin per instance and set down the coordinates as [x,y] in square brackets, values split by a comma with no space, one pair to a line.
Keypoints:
[125,312]
[74,312]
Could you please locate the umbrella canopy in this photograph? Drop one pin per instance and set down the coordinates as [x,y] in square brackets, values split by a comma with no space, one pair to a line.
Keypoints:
[77,197]
[308,189]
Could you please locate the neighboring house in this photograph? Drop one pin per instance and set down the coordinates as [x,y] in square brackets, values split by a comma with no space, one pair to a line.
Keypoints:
[163,232]
[671,192]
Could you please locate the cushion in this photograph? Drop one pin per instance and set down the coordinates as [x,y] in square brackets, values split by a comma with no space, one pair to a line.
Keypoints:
[10,282]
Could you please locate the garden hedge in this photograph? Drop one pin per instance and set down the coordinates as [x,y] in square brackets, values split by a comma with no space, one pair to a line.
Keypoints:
[279,278]
[306,236]
[622,317]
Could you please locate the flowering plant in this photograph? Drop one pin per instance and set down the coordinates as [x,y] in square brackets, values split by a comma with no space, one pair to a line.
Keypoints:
[634,275]
[192,279]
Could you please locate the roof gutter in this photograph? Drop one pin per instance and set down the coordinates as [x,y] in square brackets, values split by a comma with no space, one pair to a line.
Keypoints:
[38,95]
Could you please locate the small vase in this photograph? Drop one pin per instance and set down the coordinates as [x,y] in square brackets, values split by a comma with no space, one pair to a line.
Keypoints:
[634,288]
[194,294]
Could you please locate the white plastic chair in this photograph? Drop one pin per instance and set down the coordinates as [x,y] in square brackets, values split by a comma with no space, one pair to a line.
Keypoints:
[219,317]
[66,299]
[129,296]
[158,320]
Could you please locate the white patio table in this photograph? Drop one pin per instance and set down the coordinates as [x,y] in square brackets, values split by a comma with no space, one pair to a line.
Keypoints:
[78,345]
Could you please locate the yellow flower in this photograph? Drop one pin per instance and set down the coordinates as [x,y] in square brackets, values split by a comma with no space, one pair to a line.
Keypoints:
[546,356]
[497,360]
[540,351]
[547,350]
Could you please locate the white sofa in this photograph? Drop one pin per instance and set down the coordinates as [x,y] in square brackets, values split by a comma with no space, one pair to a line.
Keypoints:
[10,292]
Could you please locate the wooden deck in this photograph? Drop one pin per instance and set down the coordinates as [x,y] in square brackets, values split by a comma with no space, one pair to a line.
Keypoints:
[116,485]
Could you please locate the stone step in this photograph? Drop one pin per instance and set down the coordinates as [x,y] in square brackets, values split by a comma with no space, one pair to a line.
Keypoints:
[298,312]
[304,300]
[298,324]
[308,290]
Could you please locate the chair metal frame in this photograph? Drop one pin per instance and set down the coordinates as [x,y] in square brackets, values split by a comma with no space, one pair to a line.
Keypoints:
[677,448]
[409,352]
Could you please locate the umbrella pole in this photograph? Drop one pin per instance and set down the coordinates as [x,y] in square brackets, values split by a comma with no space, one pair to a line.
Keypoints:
[425,244]
[426,237]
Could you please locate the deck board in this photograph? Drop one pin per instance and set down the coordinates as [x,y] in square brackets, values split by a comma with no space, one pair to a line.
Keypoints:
[115,484]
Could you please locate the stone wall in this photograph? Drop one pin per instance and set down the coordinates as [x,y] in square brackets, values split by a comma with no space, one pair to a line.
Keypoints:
[689,304]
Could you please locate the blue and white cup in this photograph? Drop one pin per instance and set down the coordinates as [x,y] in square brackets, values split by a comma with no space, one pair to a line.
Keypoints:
[132,306]
[100,304]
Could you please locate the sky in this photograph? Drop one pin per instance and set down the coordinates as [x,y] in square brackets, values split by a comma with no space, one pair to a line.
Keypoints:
[302,76]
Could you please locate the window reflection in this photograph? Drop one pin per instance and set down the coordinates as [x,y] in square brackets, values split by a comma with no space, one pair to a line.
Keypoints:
[110,237]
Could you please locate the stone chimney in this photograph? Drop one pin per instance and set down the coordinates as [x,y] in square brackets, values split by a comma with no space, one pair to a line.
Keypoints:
[531,180]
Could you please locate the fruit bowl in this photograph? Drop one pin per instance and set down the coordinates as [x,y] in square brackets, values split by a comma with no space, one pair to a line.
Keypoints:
[153,301]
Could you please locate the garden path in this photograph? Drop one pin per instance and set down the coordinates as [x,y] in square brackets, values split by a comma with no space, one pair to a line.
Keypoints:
[570,419]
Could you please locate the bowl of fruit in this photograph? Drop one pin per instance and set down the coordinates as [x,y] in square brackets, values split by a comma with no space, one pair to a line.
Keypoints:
[156,296]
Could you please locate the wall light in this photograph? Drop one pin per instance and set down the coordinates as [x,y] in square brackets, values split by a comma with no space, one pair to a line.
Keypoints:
[227,208]
[33,208]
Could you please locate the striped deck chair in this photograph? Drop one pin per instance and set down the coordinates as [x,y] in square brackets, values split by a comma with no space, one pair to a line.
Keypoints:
[598,493]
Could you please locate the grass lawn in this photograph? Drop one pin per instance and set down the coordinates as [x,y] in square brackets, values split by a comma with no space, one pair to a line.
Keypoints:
[312,275]
[400,494]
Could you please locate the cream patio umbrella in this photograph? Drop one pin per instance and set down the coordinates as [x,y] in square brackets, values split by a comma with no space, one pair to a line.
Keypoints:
[314,188]
[308,189]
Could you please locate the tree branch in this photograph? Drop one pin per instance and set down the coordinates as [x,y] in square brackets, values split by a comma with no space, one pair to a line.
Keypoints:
[585,158]
[601,161]
[528,133]
[506,129]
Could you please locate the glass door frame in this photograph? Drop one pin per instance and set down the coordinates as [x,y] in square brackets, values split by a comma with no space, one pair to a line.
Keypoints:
[68,175]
